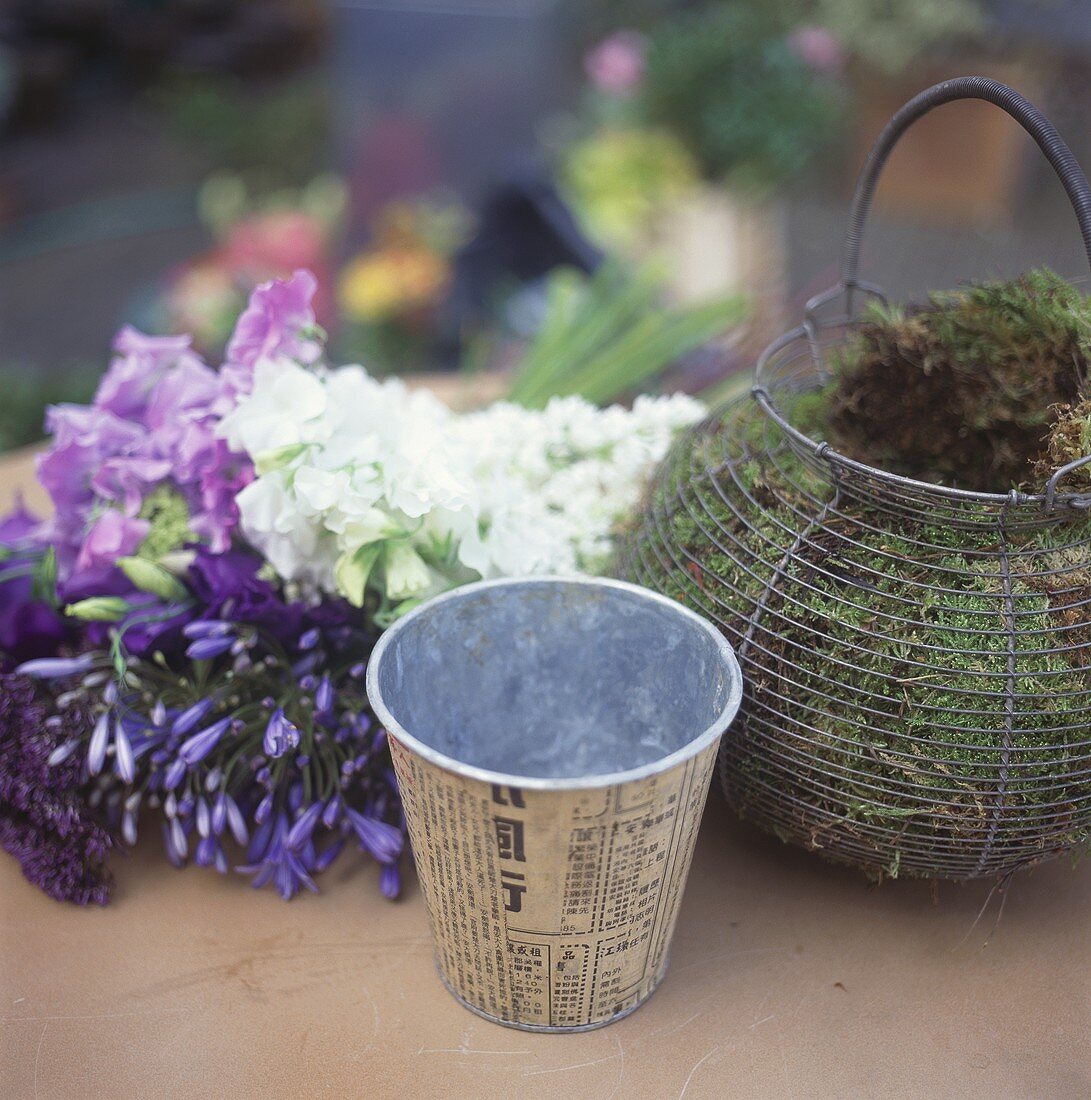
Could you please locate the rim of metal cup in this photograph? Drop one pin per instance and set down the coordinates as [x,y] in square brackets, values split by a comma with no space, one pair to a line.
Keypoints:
[690,749]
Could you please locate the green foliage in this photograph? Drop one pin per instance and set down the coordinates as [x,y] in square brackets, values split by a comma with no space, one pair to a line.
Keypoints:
[609,336]
[27,392]
[725,79]
[963,389]
[274,137]
[890,35]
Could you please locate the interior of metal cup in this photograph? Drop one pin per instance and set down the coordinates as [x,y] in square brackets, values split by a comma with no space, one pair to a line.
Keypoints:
[554,679]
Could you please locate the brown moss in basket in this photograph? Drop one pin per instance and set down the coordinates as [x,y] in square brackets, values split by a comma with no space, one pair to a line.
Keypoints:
[963,389]
[874,725]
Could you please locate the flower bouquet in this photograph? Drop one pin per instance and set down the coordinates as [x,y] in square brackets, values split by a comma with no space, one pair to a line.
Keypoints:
[183,640]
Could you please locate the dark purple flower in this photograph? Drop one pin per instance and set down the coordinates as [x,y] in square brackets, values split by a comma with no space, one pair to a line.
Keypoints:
[45,821]
[228,586]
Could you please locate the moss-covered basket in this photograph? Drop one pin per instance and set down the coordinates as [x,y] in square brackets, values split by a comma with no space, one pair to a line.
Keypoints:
[918,691]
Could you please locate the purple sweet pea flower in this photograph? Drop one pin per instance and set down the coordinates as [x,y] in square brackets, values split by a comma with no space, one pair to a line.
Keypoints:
[139,363]
[275,323]
[20,526]
[113,535]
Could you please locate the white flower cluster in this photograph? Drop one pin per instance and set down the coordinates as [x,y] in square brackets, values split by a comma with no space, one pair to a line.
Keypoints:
[363,485]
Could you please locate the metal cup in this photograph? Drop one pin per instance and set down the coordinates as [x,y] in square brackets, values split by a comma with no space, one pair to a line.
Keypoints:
[553,740]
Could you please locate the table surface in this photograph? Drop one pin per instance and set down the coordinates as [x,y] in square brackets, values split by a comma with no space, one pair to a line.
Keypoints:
[788,978]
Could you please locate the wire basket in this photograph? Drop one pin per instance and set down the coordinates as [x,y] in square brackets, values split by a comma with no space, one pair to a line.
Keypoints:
[917,658]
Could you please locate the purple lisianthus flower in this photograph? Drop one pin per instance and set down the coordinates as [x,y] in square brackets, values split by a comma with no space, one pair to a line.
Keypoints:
[228,585]
[277,322]
[45,820]
[29,627]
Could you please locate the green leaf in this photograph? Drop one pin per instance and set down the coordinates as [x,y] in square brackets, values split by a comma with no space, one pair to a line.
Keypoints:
[44,583]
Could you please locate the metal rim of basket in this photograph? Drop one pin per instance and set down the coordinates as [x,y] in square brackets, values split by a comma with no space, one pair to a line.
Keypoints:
[1072,177]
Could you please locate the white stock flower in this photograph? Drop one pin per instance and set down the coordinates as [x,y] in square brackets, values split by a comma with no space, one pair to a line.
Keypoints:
[365,486]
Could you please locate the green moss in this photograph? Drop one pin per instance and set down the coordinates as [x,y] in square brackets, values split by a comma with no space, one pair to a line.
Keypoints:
[965,388]
[892,718]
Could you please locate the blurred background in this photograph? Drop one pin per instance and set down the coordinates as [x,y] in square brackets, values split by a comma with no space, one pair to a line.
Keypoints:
[467,178]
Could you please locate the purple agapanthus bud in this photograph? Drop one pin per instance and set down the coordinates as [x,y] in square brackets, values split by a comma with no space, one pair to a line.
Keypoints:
[204,649]
[123,750]
[310,638]
[175,773]
[203,819]
[207,628]
[281,735]
[236,822]
[168,843]
[332,813]
[178,838]
[128,827]
[390,880]
[303,827]
[55,668]
[383,841]
[96,747]
[328,855]
[62,752]
[323,697]
[197,747]
[159,713]
[191,716]
[306,665]
[265,808]
[205,855]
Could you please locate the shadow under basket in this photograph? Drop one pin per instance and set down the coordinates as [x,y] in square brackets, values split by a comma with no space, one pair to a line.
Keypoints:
[916,658]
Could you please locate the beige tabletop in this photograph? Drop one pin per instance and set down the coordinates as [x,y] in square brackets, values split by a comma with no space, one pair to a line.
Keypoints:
[788,978]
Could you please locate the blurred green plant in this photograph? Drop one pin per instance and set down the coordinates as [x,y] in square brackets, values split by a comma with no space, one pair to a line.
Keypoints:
[274,138]
[731,83]
[889,36]
[27,392]
[610,336]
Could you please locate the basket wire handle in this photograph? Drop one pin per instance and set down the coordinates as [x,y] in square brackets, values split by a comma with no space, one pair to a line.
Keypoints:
[1019,107]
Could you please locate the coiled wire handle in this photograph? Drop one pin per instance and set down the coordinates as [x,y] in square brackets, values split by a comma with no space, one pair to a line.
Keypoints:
[1019,107]
[1056,151]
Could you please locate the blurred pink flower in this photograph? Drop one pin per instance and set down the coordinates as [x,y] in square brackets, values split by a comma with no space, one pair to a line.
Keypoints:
[817,47]
[616,64]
